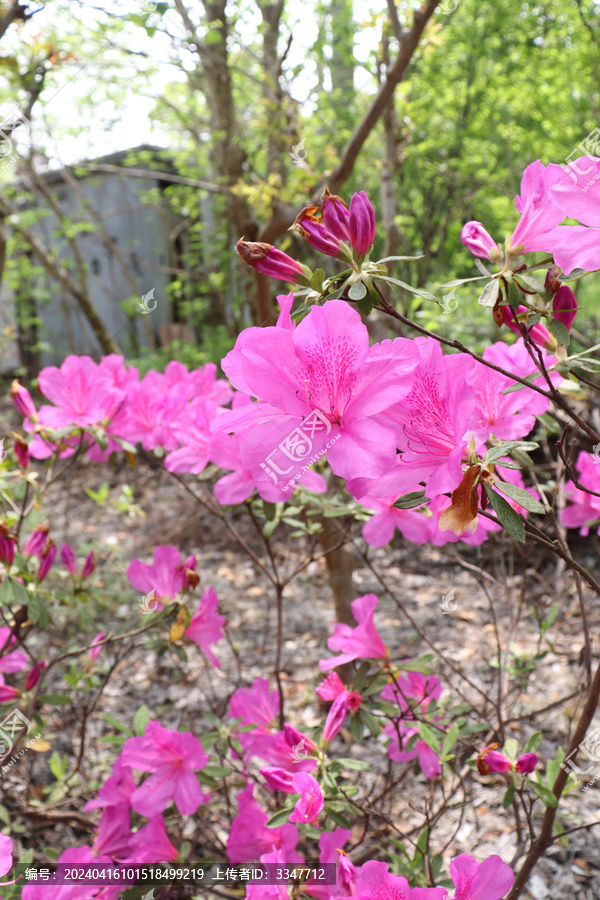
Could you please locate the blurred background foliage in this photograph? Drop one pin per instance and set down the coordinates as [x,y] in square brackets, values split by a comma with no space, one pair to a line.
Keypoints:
[228,90]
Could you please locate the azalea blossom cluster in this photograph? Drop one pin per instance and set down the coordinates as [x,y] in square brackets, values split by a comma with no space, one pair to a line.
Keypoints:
[131,827]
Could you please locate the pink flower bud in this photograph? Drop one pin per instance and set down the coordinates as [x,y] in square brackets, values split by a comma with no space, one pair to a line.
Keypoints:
[527,763]
[335,215]
[335,717]
[489,760]
[361,224]
[317,235]
[89,565]
[7,546]
[95,651]
[67,558]
[564,306]
[36,541]
[8,693]
[22,452]
[270,261]
[33,676]
[278,779]
[346,875]
[21,397]
[47,558]
[479,241]
[539,334]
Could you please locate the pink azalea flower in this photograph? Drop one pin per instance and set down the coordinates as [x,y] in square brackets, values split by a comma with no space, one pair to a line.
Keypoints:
[336,717]
[381,527]
[249,836]
[489,880]
[259,706]
[14,660]
[6,850]
[330,845]
[7,546]
[194,435]
[432,428]
[36,541]
[526,763]
[318,236]
[113,833]
[362,642]
[311,800]
[412,690]
[375,882]
[539,213]
[479,241]
[330,687]
[76,856]
[278,779]
[173,757]
[150,844]
[296,739]
[583,511]
[206,626]
[507,416]
[321,378]
[361,224]
[89,564]
[21,452]
[82,393]
[116,790]
[165,576]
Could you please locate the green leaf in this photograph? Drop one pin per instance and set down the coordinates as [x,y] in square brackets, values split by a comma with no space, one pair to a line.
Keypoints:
[426,734]
[489,294]
[337,817]
[13,593]
[117,725]
[560,332]
[509,519]
[507,447]
[409,501]
[545,795]
[508,797]
[55,699]
[365,305]
[357,729]
[280,817]
[393,258]
[357,291]
[317,280]
[458,281]
[215,771]
[450,740]
[371,721]
[420,293]
[141,719]
[532,283]
[521,496]
[355,764]
[36,610]
[534,742]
